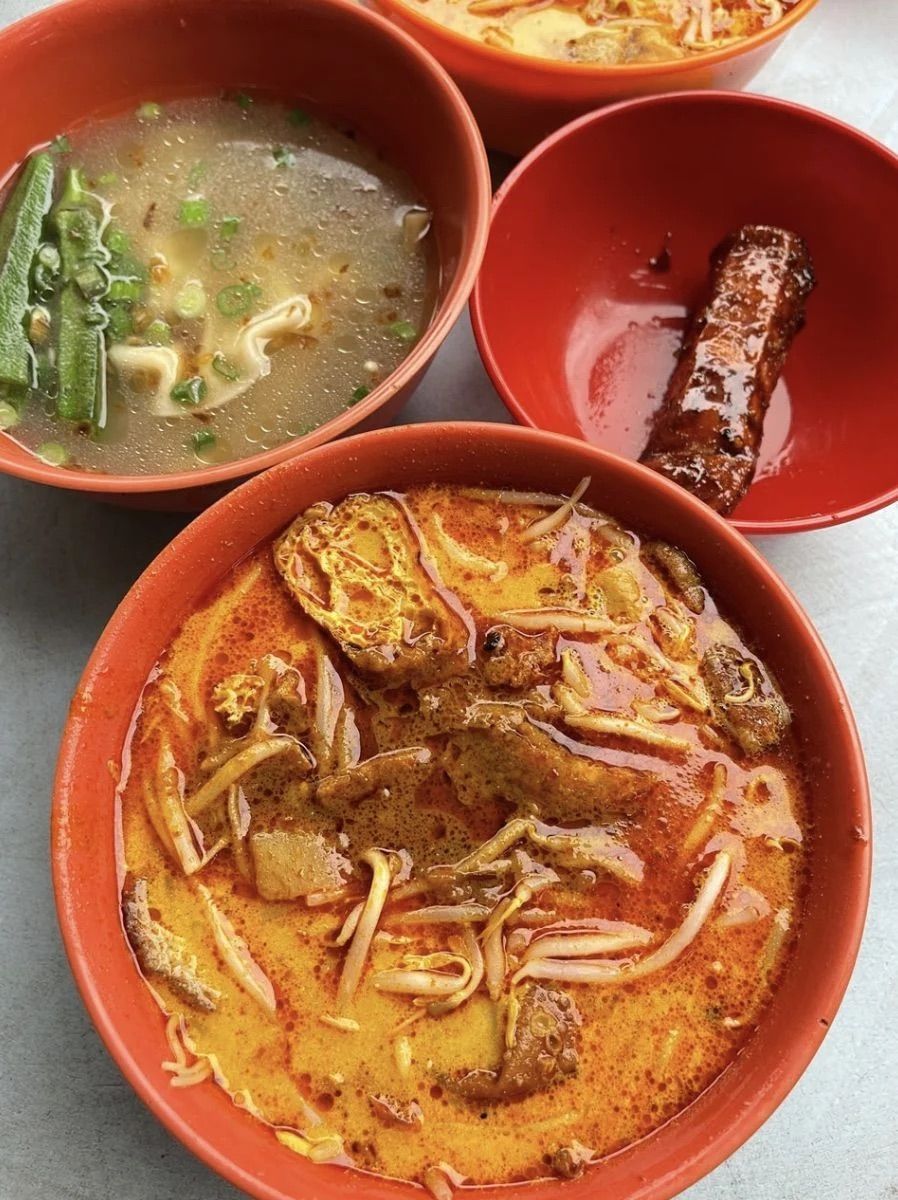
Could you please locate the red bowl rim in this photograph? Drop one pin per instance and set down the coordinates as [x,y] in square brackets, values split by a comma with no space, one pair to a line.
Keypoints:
[617,73]
[825,988]
[772,104]
[16,39]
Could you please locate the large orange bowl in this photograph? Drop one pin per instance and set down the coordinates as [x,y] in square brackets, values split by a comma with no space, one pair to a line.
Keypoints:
[609,193]
[84,806]
[88,58]
[518,98]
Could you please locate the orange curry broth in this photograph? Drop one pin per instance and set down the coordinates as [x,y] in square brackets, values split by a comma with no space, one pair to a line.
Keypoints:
[647,1047]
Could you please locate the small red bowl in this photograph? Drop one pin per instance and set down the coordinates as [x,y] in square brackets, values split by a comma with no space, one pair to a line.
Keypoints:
[351,64]
[579,334]
[84,804]
[519,98]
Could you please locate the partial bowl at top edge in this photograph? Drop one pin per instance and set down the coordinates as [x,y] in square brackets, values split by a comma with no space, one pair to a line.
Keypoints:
[603,337]
[331,54]
[518,99]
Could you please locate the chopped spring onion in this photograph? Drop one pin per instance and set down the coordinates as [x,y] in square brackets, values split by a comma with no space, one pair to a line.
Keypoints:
[225,368]
[52,453]
[404,330]
[283,156]
[158,333]
[118,322]
[190,302]
[195,176]
[222,259]
[127,290]
[360,393]
[60,145]
[194,213]
[203,439]
[237,299]
[228,227]
[9,415]
[116,241]
[242,100]
[149,111]
[189,391]
[299,116]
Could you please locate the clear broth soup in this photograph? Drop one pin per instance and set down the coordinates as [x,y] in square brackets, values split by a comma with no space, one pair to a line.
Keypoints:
[264,271]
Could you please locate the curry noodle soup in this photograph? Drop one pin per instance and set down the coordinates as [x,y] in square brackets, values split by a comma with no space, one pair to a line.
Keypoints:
[464,839]
[605,32]
[200,281]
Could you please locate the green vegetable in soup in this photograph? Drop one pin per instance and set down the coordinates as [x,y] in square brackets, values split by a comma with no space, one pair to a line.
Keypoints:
[225,368]
[190,302]
[9,415]
[237,299]
[53,453]
[119,323]
[45,273]
[299,116]
[360,393]
[149,111]
[189,392]
[203,439]
[242,100]
[228,228]
[194,213]
[81,356]
[158,333]
[21,226]
[283,156]
[127,290]
[60,145]
[404,330]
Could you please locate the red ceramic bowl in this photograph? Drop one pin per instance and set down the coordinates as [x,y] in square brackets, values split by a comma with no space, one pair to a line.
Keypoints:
[567,276]
[518,99]
[84,810]
[57,69]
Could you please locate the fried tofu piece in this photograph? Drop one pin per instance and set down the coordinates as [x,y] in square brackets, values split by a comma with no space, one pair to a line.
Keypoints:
[289,862]
[517,660]
[538,776]
[382,772]
[543,1052]
[357,569]
[744,700]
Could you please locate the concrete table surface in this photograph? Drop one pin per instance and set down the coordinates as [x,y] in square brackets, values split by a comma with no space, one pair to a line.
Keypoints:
[70,1127]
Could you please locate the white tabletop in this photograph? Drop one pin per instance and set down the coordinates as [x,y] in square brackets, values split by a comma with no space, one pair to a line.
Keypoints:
[70,1127]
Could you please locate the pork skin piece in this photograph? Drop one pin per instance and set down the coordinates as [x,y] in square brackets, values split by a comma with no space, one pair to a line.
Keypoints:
[358,570]
[161,953]
[707,433]
[290,862]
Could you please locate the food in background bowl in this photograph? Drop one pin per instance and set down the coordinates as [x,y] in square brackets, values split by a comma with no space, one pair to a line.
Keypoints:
[606,32]
[456,810]
[199,281]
